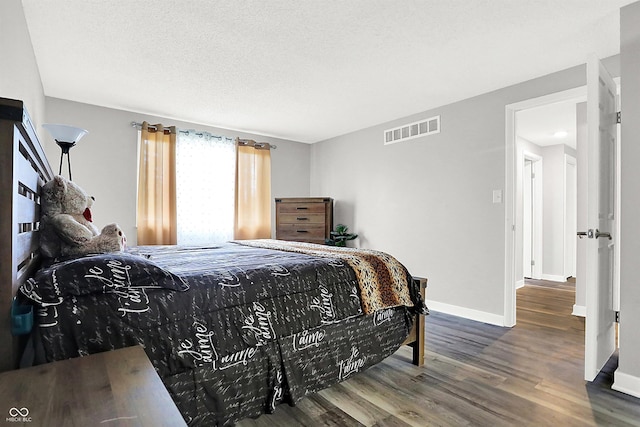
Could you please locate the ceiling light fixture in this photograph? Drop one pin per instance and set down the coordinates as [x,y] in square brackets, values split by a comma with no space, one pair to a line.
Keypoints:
[561,134]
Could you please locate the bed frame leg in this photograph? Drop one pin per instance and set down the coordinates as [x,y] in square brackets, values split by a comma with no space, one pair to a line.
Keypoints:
[418,344]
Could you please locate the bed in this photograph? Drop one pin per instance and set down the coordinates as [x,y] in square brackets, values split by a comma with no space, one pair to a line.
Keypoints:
[233,330]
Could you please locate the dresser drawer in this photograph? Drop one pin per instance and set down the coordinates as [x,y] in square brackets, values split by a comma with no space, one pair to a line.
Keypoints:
[295,208]
[302,232]
[302,218]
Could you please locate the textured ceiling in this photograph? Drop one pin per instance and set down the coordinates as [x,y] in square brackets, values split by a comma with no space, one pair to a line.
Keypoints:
[306,70]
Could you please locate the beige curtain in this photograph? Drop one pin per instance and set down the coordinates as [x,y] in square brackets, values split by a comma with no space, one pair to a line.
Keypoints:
[253,190]
[157,186]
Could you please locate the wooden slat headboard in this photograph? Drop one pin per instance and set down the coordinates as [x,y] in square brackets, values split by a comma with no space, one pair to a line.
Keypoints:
[23,170]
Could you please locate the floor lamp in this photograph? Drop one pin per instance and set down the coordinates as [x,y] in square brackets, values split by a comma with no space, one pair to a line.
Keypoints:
[66,137]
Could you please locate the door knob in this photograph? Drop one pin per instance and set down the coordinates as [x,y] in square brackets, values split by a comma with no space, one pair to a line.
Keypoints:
[603,234]
[591,234]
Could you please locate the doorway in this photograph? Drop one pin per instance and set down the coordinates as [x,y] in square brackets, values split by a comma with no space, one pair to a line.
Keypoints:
[601,144]
[532,204]
[514,209]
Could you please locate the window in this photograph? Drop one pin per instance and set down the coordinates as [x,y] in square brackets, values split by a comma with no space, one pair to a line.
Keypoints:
[199,189]
[205,188]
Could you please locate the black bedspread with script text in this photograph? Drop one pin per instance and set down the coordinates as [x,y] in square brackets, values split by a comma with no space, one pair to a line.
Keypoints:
[232,330]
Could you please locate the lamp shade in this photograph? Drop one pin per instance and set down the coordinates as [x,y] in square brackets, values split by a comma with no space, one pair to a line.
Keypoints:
[65,133]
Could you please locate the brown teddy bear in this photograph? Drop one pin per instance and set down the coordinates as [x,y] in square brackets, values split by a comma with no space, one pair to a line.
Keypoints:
[66,226]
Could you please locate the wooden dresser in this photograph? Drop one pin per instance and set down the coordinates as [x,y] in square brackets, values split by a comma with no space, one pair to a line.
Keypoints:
[304,219]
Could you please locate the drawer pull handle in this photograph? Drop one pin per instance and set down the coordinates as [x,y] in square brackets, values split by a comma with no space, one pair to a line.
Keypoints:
[301,218]
[301,208]
[302,231]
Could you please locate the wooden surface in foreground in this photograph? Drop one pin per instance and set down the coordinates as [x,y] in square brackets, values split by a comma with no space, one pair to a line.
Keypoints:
[115,388]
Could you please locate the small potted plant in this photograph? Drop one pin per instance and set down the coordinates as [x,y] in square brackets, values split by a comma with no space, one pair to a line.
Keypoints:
[339,236]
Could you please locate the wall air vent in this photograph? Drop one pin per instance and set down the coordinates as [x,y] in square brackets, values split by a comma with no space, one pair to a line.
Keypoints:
[412,130]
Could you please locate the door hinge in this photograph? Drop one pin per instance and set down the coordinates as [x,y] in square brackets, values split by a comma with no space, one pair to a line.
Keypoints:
[619,117]
[617,317]
[533,263]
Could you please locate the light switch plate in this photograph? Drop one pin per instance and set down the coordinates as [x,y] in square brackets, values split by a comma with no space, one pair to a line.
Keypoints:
[497,196]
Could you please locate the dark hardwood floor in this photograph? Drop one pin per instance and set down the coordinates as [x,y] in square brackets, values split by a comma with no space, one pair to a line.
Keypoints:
[569,285]
[479,375]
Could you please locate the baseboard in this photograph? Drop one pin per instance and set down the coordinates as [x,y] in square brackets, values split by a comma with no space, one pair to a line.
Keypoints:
[626,383]
[467,313]
[520,284]
[554,278]
[579,310]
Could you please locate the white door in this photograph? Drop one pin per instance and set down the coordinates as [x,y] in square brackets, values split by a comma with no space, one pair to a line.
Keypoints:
[599,190]
[527,218]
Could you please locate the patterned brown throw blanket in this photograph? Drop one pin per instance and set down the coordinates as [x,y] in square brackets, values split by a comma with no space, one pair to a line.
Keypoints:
[383,281]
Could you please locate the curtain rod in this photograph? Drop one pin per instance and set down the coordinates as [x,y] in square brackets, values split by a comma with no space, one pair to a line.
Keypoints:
[138,126]
[252,143]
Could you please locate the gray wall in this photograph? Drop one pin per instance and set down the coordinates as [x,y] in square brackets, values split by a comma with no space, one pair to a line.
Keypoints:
[628,373]
[429,200]
[104,162]
[19,74]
